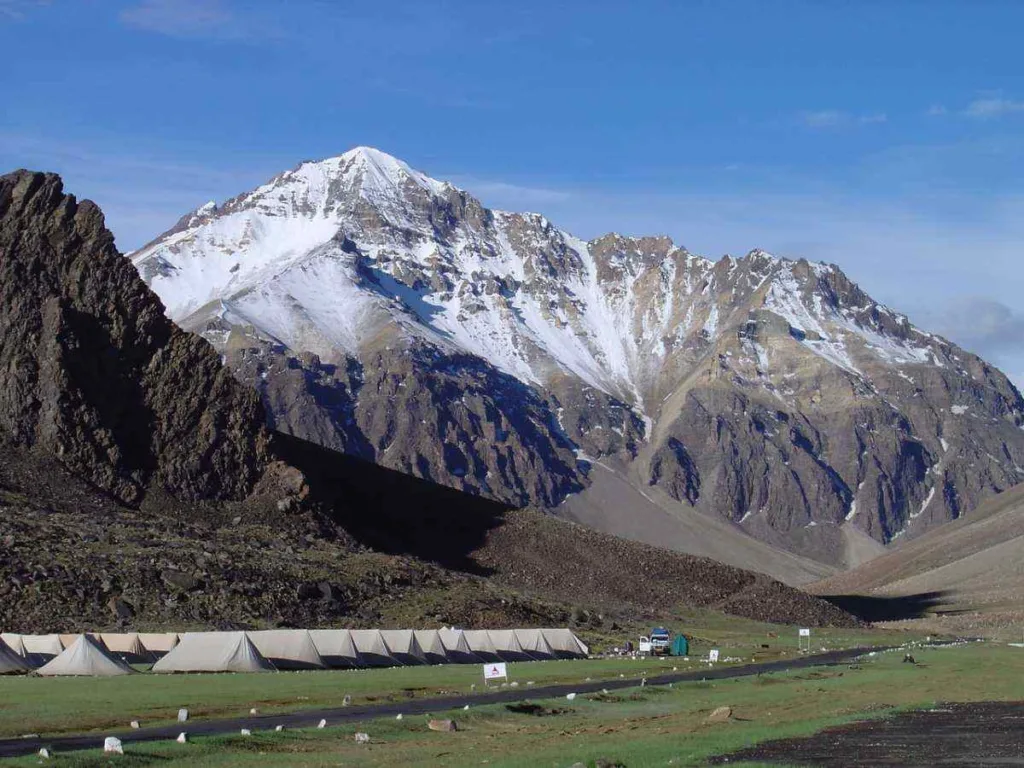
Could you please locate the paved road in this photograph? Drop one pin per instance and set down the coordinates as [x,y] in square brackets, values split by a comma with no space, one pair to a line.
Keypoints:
[338,716]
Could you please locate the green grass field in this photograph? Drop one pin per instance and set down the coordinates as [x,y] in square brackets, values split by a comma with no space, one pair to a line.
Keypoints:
[50,706]
[638,727]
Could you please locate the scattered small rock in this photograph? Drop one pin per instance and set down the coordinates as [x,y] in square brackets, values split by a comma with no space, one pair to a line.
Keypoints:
[908,659]
[398,716]
[570,696]
[182,715]
[182,738]
[254,711]
[466,708]
[278,728]
[44,753]
[362,738]
[246,732]
[134,724]
[346,701]
[442,725]
[720,715]
[322,724]
[112,746]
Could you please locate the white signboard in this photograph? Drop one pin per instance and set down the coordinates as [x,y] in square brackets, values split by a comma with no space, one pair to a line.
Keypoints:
[805,633]
[713,654]
[495,672]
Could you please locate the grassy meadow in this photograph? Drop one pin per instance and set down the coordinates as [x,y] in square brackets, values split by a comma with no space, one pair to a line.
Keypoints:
[650,726]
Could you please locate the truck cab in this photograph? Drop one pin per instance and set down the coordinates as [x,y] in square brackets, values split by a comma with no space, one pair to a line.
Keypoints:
[661,642]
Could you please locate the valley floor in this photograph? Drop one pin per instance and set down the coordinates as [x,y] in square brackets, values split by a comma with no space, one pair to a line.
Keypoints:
[639,726]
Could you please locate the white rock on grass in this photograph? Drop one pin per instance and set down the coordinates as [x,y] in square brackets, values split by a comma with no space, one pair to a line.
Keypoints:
[246,732]
[279,728]
[322,724]
[466,708]
[112,746]
[134,724]
[182,738]
[254,711]
[182,715]
[346,701]
[570,696]
[44,753]
[398,716]
[362,738]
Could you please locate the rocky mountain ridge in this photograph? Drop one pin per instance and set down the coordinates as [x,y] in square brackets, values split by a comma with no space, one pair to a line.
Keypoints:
[391,316]
[141,488]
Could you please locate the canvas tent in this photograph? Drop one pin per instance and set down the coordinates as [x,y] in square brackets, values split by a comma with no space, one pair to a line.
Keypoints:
[288,648]
[14,642]
[456,647]
[336,648]
[11,662]
[372,648]
[68,638]
[158,643]
[565,644]
[507,645]
[127,646]
[430,643]
[481,645]
[86,656]
[214,652]
[403,646]
[40,649]
[532,642]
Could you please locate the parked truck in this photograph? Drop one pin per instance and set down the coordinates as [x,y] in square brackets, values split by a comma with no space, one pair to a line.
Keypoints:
[661,643]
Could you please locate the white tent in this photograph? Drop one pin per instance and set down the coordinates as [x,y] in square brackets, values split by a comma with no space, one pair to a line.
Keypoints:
[429,641]
[336,648]
[480,643]
[214,652]
[40,649]
[565,644]
[86,656]
[11,662]
[403,646]
[127,646]
[14,642]
[288,648]
[507,645]
[68,638]
[158,643]
[372,648]
[456,647]
[532,641]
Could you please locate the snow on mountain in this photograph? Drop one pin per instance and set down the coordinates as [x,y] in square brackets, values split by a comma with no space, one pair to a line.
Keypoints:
[620,346]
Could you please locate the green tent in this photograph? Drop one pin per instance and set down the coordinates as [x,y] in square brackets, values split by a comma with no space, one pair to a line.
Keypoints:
[680,646]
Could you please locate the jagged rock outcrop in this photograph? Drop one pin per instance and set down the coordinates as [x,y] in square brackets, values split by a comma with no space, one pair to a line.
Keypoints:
[393,316]
[94,373]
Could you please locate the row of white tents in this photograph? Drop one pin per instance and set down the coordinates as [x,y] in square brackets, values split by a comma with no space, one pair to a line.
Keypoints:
[105,654]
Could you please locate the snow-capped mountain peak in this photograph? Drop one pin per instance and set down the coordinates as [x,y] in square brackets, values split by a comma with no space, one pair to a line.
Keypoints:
[609,345]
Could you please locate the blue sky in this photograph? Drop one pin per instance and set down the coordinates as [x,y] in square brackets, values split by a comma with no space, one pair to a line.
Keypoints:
[885,136]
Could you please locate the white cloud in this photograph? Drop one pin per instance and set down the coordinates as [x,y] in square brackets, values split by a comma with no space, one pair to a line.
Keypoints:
[194,19]
[992,107]
[833,118]
[512,196]
[16,9]
[877,117]
[935,110]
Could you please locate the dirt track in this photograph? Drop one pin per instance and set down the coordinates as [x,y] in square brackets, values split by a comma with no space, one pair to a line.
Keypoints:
[980,735]
[335,717]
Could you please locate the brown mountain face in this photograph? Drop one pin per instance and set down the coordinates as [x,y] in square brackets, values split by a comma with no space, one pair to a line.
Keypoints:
[140,487]
[92,372]
[392,316]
